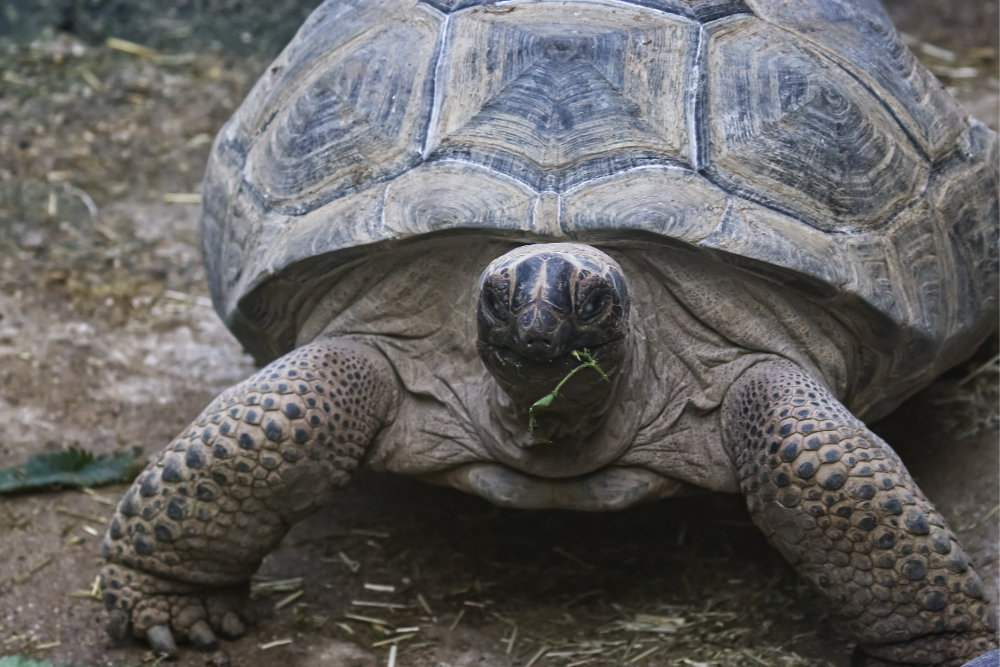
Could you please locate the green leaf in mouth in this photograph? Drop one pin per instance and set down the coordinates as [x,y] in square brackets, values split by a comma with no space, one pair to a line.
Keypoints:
[586,360]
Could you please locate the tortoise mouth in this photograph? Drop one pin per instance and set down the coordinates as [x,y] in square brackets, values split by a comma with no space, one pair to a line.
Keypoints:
[524,378]
[538,365]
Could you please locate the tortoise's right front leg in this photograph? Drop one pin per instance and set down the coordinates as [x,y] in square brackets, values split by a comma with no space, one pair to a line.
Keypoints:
[198,521]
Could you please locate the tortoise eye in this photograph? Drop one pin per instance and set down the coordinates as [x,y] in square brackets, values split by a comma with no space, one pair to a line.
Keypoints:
[493,305]
[594,305]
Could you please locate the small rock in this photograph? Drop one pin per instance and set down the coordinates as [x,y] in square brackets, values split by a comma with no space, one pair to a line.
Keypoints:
[33,239]
[342,654]
[218,659]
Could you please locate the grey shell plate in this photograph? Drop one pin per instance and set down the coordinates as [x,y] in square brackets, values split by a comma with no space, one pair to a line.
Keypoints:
[801,141]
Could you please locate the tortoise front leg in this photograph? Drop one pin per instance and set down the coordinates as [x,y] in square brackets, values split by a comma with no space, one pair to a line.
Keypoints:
[839,505]
[269,451]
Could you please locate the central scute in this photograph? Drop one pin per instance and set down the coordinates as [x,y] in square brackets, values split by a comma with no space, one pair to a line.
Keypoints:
[554,97]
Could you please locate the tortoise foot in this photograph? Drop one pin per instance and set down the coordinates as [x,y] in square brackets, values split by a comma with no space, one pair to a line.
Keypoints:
[164,612]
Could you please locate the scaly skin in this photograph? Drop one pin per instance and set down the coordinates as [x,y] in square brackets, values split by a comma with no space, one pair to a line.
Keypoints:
[198,521]
[839,505]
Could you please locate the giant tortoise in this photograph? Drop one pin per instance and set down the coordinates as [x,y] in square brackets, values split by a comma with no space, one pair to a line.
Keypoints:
[584,254]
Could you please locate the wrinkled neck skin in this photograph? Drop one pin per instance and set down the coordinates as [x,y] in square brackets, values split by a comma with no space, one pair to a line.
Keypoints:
[578,409]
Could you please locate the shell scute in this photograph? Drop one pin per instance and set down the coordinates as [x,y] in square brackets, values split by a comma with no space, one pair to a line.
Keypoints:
[555,98]
[963,195]
[706,10]
[668,201]
[358,115]
[859,36]
[456,196]
[789,129]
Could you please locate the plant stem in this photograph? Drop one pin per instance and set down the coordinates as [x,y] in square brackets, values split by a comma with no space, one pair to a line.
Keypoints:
[586,361]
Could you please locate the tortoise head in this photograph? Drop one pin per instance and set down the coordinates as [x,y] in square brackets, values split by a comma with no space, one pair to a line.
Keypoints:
[537,305]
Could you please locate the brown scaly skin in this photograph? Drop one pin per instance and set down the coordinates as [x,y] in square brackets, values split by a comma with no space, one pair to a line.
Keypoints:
[198,521]
[839,505]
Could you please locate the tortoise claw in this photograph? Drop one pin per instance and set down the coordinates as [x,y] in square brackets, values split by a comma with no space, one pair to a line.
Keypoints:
[161,640]
[202,637]
[118,623]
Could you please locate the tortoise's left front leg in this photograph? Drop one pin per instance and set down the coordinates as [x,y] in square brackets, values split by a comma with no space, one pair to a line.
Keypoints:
[839,505]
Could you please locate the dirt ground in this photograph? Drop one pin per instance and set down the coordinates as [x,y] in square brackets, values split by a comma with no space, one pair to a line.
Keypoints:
[104,310]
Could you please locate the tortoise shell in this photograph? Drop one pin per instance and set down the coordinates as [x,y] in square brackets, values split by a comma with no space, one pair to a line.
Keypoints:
[801,142]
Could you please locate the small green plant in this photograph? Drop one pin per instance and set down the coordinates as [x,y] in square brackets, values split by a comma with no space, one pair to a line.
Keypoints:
[22,661]
[67,467]
[586,361]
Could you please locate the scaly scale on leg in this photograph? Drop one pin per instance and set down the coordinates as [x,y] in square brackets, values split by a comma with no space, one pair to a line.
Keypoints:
[840,506]
[261,456]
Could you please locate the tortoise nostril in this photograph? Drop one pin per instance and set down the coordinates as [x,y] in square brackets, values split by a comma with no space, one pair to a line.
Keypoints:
[542,334]
[539,348]
[538,343]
